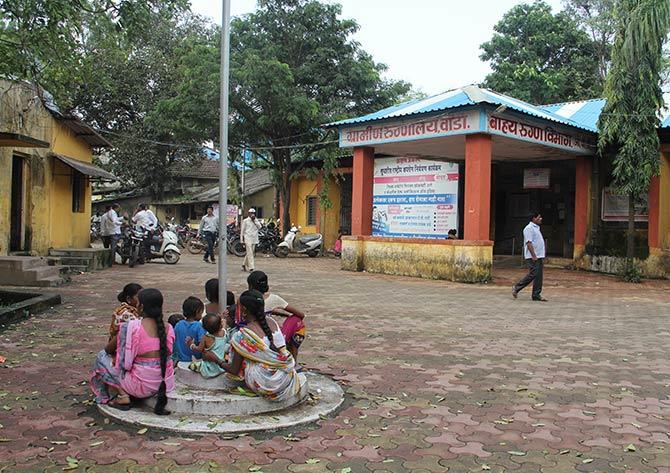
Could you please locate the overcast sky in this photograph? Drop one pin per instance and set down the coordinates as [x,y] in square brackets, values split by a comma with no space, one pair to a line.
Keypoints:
[433,44]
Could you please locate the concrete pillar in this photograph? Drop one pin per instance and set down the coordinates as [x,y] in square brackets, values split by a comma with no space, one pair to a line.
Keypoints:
[582,204]
[361,198]
[477,214]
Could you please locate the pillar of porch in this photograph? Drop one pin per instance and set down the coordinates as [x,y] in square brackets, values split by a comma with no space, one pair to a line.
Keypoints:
[659,205]
[582,204]
[477,214]
[362,187]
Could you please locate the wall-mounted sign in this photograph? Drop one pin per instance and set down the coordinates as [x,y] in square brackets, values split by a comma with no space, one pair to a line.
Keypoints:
[547,136]
[409,130]
[537,178]
[414,198]
[615,207]
[231,213]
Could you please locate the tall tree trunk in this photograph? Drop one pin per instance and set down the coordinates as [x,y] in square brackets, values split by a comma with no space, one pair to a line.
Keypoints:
[286,201]
[630,236]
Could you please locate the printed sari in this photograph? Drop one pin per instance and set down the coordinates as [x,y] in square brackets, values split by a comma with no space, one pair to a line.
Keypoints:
[267,373]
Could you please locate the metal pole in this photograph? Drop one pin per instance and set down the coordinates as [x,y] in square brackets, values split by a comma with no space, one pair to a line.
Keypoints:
[223,156]
[244,168]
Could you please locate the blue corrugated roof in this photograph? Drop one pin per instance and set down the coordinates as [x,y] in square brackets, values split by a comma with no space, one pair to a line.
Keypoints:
[464,96]
[666,122]
[585,112]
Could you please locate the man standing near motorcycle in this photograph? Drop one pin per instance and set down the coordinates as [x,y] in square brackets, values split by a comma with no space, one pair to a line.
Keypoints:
[145,219]
[249,237]
[209,227]
[112,223]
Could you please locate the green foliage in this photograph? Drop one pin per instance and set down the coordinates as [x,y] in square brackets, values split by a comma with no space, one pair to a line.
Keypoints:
[629,121]
[541,57]
[631,271]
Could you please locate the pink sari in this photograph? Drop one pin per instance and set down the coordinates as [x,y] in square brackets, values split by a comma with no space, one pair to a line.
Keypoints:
[139,377]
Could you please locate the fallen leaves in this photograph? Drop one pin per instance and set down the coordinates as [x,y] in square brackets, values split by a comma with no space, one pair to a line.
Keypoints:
[142,431]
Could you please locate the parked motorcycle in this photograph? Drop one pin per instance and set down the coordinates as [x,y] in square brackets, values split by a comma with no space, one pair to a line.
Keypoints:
[95,231]
[268,239]
[130,246]
[310,244]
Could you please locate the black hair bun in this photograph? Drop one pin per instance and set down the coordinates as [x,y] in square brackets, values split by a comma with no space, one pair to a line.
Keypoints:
[121,297]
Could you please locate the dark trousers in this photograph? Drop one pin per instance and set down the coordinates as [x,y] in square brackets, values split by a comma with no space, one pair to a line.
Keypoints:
[209,239]
[534,275]
[114,244]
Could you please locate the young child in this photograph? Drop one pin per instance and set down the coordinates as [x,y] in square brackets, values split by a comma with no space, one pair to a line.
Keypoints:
[190,327]
[128,310]
[216,340]
[175,318]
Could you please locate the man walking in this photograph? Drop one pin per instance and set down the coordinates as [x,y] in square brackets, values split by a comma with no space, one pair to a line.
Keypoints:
[209,227]
[249,238]
[533,253]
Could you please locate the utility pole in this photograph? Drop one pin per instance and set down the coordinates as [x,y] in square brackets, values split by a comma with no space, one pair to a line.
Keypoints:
[223,156]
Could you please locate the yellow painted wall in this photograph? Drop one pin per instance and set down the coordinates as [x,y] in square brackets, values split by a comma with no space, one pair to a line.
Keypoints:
[453,260]
[48,218]
[68,229]
[328,220]
[664,201]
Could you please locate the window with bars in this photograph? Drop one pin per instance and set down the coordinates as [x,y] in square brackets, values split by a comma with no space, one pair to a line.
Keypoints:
[312,206]
[78,191]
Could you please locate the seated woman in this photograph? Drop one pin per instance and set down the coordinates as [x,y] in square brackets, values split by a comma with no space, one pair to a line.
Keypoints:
[293,327]
[143,349]
[259,354]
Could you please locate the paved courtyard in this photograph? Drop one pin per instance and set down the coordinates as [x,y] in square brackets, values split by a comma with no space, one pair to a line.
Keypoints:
[439,377]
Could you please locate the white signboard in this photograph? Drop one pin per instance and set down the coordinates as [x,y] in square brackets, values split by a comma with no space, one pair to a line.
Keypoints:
[615,207]
[431,127]
[544,135]
[536,178]
[414,198]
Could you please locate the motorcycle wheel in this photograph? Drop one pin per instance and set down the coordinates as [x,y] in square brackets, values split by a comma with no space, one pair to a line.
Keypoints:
[239,249]
[281,252]
[195,247]
[171,257]
[134,256]
[313,253]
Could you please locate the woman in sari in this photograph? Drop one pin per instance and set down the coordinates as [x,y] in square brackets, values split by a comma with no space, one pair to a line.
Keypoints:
[141,369]
[259,354]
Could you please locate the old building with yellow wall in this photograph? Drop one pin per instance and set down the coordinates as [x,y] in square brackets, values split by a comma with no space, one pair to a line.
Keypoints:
[45,186]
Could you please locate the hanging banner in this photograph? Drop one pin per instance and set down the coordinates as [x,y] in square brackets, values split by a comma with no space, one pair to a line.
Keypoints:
[414,198]
[231,213]
[615,207]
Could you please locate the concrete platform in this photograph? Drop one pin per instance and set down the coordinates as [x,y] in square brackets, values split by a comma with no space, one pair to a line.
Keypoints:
[194,380]
[325,397]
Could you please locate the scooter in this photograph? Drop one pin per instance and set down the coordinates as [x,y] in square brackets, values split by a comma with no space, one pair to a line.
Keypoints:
[166,247]
[310,244]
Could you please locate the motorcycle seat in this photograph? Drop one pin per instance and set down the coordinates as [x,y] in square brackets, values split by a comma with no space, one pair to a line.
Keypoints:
[306,239]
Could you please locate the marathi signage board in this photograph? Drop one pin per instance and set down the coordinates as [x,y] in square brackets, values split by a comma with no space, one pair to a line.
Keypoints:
[410,130]
[543,135]
[414,198]
[615,207]
[536,178]
[231,213]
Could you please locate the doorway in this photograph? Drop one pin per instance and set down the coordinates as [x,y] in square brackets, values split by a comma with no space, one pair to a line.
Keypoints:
[17,222]
[346,186]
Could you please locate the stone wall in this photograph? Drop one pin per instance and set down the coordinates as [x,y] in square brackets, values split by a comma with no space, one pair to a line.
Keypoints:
[453,260]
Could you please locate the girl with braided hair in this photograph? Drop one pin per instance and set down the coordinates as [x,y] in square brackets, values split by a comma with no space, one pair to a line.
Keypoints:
[143,349]
[259,354]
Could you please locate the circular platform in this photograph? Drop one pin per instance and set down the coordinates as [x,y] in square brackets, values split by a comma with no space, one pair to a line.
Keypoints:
[236,414]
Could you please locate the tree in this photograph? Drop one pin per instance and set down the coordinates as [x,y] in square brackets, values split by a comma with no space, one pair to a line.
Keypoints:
[629,121]
[294,68]
[124,91]
[41,40]
[596,18]
[541,57]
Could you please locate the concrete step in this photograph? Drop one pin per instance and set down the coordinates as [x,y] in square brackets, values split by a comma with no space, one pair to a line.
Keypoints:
[186,401]
[51,281]
[41,272]
[20,263]
[325,397]
[73,263]
[94,258]
[193,380]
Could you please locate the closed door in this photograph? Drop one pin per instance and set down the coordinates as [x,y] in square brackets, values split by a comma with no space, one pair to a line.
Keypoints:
[17,224]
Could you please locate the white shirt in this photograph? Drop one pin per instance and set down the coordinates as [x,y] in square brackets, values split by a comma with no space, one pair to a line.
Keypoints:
[111,223]
[533,234]
[209,224]
[146,219]
[249,231]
